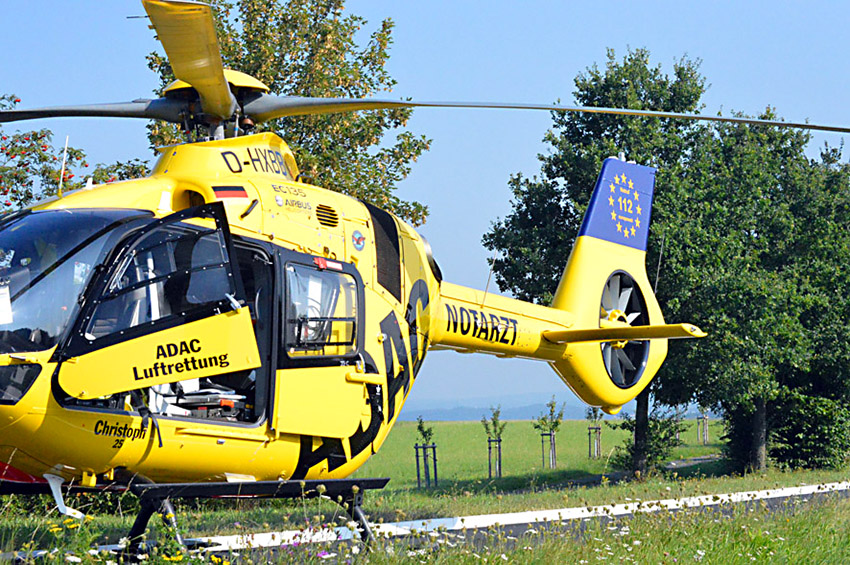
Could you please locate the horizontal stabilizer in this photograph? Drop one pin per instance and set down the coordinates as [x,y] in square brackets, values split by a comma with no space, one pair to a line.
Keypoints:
[625,333]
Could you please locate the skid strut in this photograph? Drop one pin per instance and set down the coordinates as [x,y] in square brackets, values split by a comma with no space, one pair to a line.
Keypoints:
[348,493]
[156,498]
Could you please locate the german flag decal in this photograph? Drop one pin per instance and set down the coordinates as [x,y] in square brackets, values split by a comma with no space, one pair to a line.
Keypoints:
[230,192]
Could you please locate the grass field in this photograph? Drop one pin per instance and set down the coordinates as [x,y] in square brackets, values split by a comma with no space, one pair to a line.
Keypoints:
[798,533]
[462,453]
[465,489]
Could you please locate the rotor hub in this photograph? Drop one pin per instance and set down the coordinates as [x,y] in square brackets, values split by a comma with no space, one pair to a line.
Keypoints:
[616,317]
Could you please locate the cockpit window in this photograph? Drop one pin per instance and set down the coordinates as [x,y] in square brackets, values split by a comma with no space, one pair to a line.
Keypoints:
[46,260]
[173,269]
[321,312]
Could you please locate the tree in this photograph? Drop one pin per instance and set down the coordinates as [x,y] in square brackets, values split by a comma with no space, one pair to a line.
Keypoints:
[774,221]
[548,423]
[593,415]
[547,211]
[494,426]
[30,166]
[754,238]
[426,433]
[121,170]
[296,47]
[308,48]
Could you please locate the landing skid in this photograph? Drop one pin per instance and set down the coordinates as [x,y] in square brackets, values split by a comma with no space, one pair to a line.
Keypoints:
[156,498]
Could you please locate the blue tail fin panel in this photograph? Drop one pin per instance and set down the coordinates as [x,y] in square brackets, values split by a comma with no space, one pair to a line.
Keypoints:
[621,204]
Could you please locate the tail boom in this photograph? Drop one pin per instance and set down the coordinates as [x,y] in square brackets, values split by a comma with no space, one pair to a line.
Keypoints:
[469,320]
[604,335]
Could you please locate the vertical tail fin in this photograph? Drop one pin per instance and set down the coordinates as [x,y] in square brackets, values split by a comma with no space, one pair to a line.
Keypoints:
[605,286]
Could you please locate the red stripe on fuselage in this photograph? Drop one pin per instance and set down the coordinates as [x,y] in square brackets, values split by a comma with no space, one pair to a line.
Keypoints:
[9,473]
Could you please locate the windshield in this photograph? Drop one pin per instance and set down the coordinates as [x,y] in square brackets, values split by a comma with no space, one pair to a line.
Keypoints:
[46,260]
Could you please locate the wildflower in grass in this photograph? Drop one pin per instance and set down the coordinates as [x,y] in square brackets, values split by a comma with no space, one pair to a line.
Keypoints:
[176,557]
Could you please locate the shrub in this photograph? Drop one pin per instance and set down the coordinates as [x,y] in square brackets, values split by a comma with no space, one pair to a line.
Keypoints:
[664,424]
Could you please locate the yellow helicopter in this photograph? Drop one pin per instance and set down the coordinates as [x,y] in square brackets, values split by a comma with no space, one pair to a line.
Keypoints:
[222,321]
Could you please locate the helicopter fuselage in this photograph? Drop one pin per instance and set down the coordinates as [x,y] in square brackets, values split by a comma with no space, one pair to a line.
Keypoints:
[300,375]
[220,320]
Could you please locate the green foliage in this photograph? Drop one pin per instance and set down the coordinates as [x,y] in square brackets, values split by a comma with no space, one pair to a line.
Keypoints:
[426,433]
[753,232]
[494,426]
[30,166]
[534,239]
[309,48]
[551,420]
[664,425]
[811,432]
[593,415]
[118,171]
[774,222]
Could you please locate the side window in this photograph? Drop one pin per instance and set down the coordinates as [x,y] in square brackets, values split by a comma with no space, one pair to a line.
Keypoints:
[321,312]
[171,270]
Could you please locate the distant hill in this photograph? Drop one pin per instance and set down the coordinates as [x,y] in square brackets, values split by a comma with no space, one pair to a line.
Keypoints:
[521,407]
[474,413]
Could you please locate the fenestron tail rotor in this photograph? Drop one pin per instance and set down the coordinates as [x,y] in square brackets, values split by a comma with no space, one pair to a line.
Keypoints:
[622,304]
[186,30]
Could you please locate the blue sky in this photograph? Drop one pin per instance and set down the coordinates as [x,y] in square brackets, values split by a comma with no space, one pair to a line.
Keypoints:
[790,55]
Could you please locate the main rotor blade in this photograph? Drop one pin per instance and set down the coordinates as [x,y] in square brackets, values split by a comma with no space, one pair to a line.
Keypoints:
[187,32]
[159,109]
[268,107]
